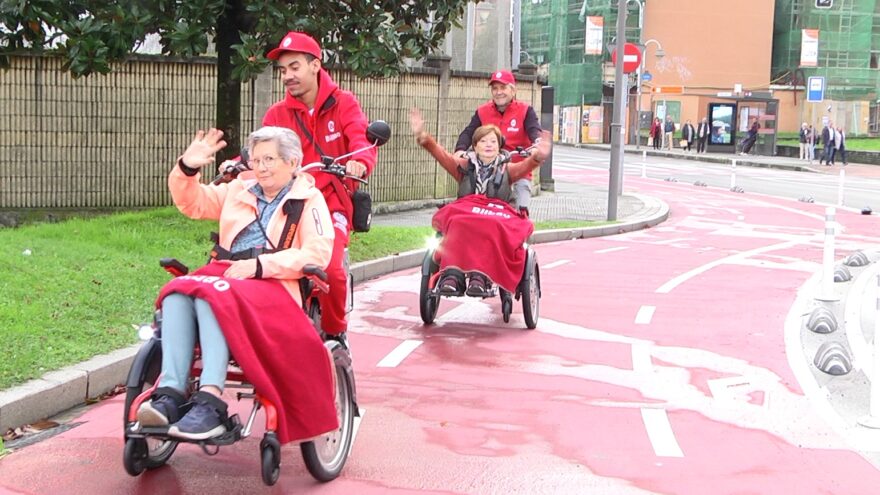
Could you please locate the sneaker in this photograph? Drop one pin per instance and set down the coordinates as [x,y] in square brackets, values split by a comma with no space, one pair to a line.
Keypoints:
[162,409]
[205,419]
[449,285]
[477,287]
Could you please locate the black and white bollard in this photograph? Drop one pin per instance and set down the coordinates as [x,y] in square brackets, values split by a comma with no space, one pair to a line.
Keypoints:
[733,175]
[826,293]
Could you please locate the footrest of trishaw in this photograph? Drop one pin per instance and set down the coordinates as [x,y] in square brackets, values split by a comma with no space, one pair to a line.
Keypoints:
[232,434]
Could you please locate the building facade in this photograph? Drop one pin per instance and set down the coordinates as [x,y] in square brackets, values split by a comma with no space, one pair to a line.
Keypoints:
[753,54]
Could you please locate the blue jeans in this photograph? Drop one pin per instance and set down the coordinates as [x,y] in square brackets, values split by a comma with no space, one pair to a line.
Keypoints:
[184,318]
[828,155]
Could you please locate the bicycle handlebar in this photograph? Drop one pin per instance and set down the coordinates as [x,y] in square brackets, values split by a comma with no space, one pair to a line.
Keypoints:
[334,168]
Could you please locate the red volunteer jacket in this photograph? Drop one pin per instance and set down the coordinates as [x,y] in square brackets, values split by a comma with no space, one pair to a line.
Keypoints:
[511,123]
[338,125]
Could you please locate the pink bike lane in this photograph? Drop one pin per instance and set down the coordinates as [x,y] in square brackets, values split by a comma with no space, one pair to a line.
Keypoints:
[658,366]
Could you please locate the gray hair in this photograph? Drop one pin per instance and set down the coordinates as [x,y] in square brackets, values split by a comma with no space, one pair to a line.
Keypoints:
[289,146]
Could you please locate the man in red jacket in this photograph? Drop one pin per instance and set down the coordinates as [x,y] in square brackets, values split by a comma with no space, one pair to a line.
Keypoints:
[518,123]
[329,122]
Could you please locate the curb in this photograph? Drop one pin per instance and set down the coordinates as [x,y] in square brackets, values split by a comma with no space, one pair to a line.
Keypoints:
[60,390]
[701,158]
[658,213]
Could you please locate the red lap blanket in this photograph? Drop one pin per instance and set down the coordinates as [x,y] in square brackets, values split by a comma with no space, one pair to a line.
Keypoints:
[275,344]
[484,235]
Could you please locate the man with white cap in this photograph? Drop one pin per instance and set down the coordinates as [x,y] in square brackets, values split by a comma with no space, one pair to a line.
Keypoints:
[329,122]
[518,123]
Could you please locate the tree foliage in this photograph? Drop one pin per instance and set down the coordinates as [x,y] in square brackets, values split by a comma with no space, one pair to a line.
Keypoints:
[372,37]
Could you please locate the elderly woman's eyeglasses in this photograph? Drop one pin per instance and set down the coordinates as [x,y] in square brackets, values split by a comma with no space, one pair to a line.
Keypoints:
[266,161]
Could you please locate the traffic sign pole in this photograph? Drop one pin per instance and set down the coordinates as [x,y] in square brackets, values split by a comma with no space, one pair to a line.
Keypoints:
[616,165]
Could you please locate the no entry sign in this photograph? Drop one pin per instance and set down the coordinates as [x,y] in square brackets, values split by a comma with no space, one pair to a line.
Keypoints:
[632,57]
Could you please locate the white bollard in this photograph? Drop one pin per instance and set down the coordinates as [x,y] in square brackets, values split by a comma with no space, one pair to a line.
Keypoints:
[826,292]
[644,164]
[840,187]
[873,418]
[733,174]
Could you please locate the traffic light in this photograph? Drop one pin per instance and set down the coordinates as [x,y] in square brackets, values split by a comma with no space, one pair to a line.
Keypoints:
[824,4]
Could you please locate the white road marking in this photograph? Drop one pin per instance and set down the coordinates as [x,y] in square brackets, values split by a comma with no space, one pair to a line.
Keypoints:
[396,356]
[611,250]
[675,282]
[555,264]
[641,358]
[643,317]
[660,433]
[797,265]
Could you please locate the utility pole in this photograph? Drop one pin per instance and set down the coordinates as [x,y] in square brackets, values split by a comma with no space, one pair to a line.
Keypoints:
[617,130]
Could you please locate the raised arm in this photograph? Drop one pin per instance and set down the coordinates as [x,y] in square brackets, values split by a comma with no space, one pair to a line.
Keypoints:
[192,198]
[449,162]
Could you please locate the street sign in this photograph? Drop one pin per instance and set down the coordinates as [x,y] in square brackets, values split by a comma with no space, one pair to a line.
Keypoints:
[647,76]
[632,57]
[815,89]
[669,90]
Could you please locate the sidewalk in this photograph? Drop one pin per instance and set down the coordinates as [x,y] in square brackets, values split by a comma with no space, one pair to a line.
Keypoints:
[777,162]
[569,201]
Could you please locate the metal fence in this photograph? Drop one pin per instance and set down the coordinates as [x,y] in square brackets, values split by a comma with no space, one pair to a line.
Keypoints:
[108,141]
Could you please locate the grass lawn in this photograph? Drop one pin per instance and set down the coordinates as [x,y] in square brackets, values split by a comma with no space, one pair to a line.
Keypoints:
[85,282]
[852,143]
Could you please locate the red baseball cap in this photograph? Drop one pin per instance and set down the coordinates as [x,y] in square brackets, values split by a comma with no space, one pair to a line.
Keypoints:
[296,42]
[503,76]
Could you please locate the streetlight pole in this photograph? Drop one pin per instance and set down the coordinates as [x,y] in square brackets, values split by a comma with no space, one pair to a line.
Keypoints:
[617,129]
[659,54]
[638,121]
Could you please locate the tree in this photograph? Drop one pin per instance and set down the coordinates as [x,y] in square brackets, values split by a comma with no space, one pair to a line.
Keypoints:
[372,37]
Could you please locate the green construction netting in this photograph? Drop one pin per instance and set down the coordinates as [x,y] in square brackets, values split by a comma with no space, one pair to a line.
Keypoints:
[554,32]
[849,45]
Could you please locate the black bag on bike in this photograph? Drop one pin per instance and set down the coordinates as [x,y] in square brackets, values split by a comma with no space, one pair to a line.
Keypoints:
[363,211]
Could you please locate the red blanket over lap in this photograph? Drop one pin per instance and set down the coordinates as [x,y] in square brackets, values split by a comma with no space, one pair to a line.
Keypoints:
[275,344]
[484,235]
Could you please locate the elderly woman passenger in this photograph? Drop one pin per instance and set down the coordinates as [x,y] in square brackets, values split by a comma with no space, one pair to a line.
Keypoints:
[482,170]
[253,259]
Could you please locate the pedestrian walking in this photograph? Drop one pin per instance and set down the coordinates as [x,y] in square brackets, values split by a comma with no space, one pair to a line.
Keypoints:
[668,131]
[827,144]
[803,138]
[703,132]
[840,143]
[656,133]
[688,134]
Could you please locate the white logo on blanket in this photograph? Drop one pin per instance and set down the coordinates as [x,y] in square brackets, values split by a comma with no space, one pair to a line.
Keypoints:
[486,211]
[219,284]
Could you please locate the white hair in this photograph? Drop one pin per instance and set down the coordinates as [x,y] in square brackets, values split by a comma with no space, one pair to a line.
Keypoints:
[289,146]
